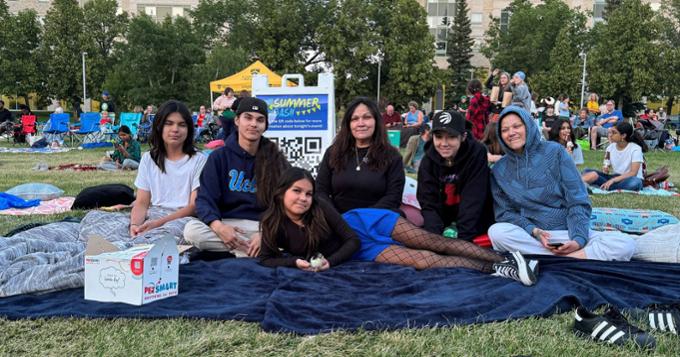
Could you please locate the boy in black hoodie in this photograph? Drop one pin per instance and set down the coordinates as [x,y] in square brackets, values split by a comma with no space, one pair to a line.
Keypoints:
[236,185]
[453,180]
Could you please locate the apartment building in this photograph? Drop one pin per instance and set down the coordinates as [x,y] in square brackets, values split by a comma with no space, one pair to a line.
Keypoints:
[157,9]
[480,15]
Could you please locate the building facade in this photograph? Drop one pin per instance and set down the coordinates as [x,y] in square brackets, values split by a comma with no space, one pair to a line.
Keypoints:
[157,9]
[440,12]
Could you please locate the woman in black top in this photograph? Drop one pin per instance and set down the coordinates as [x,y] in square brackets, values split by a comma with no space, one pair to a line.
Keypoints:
[303,227]
[361,169]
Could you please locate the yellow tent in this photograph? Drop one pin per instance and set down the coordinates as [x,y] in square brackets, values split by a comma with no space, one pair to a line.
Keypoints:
[244,79]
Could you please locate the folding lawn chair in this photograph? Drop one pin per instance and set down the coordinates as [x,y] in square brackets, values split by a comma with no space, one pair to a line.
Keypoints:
[145,129]
[26,127]
[131,120]
[89,128]
[57,126]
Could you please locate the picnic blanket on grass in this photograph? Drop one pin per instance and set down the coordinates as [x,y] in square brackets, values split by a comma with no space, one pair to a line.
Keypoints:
[57,205]
[647,191]
[50,257]
[373,296]
[46,150]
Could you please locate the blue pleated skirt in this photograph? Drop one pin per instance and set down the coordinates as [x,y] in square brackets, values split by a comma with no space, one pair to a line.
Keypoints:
[374,227]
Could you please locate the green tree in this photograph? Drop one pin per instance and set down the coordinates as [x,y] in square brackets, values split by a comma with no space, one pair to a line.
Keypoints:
[361,32]
[669,52]
[609,7]
[459,51]
[221,61]
[408,52]
[102,28]
[20,65]
[155,63]
[624,61]
[220,22]
[531,32]
[61,47]
[565,62]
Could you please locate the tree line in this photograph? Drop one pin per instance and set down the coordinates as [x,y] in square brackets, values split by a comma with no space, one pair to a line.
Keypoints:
[141,60]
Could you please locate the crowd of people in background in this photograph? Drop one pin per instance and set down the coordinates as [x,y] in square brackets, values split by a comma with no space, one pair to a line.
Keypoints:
[592,127]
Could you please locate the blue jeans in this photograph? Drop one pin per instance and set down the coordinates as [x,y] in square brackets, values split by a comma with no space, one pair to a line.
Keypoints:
[631,184]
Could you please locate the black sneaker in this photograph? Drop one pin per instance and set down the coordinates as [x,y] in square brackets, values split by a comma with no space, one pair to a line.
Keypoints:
[664,318]
[516,267]
[611,327]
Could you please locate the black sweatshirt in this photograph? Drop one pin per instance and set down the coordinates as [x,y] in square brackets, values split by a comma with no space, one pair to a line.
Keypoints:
[459,193]
[337,247]
[348,189]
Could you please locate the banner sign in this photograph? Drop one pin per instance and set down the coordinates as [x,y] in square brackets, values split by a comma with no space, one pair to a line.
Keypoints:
[301,118]
[297,112]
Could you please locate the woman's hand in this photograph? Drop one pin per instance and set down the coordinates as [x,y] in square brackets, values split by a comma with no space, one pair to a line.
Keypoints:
[254,245]
[566,248]
[605,186]
[307,266]
[148,225]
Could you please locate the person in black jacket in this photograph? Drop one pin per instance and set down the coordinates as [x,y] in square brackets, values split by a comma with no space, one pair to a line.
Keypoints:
[361,169]
[236,186]
[453,180]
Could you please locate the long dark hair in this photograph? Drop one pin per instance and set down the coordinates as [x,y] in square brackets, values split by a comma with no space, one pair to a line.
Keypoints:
[381,151]
[631,135]
[269,166]
[273,217]
[158,152]
[490,139]
[554,133]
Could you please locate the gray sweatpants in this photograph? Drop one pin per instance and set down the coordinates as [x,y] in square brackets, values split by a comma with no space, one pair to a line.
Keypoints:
[201,236]
[600,246]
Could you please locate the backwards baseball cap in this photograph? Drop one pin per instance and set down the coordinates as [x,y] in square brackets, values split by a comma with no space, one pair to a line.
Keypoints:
[252,104]
[449,121]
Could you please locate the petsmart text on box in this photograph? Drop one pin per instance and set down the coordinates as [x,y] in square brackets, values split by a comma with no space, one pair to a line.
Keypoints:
[136,276]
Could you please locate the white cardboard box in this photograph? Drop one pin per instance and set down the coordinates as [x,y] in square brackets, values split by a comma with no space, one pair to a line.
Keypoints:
[137,276]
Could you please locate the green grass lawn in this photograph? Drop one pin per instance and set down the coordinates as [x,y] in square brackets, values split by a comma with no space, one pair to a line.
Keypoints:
[537,337]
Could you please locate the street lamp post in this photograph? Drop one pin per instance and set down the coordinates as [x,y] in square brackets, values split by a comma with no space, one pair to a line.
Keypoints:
[583,55]
[84,83]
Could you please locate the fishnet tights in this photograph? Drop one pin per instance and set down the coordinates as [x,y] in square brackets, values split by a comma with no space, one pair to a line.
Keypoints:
[423,250]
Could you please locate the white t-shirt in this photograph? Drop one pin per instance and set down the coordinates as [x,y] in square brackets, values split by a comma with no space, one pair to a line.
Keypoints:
[173,188]
[577,155]
[621,160]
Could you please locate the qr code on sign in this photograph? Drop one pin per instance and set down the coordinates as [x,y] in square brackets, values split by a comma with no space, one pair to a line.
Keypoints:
[304,152]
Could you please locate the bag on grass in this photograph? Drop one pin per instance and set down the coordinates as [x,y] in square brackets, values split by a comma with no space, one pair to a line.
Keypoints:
[104,196]
[653,179]
[36,191]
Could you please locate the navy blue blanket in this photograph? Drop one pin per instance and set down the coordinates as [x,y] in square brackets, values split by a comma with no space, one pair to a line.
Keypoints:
[373,296]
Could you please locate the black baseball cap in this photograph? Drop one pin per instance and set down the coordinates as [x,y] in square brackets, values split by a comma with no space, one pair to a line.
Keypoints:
[252,104]
[449,121]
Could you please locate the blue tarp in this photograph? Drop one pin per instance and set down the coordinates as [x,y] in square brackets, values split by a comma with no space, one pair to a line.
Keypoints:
[373,296]
[11,201]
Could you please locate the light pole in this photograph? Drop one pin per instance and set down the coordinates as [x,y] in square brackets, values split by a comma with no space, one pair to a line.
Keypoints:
[583,55]
[84,84]
[16,98]
[378,57]
[472,73]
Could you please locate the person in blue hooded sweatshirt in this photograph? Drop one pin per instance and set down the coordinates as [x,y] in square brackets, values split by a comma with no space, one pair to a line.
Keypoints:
[237,184]
[540,203]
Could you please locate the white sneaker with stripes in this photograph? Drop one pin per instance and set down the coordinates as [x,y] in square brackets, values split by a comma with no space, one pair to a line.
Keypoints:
[664,318]
[610,327]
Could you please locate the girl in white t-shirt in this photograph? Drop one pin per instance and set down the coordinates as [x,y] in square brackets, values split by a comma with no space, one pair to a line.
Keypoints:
[168,175]
[622,166]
